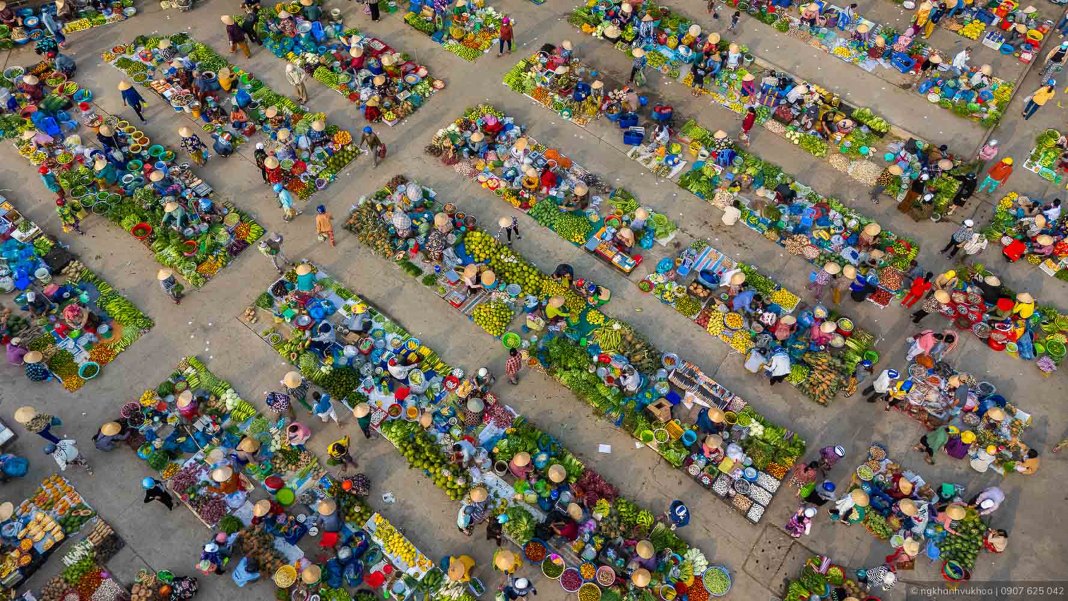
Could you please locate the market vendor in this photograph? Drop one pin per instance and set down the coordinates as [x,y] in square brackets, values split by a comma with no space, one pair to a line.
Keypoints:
[1025,306]
[356,59]
[15,351]
[317,134]
[630,381]
[784,327]
[107,138]
[265,509]
[476,143]
[358,320]
[470,278]
[579,198]
[371,112]
[284,148]
[712,446]
[109,434]
[272,169]
[899,487]
[565,51]
[520,151]
[162,185]
[165,50]
[549,179]
[710,420]
[1042,245]
[275,119]
[188,407]
[247,452]
[311,10]
[227,480]
[624,240]
[520,466]
[460,568]
[174,214]
[286,24]
[107,178]
[31,87]
[78,317]
[556,311]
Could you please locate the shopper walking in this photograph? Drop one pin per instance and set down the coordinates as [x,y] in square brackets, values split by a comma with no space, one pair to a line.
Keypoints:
[512,366]
[297,388]
[881,385]
[637,67]
[737,16]
[286,201]
[932,442]
[1039,98]
[248,24]
[170,285]
[298,77]
[271,247]
[132,98]
[66,454]
[823,277]
[324,225]
[373,6]
[362,413]
[959,237]
[40,424]
[260,155]
[932,304]
[323,407]
[370,141]
[509,226]
[154,491]
[919,287]
[505,36]
[747,124]
[340,455]
[236,36]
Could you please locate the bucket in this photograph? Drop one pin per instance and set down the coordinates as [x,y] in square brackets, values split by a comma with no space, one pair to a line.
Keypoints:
[689,437]
[43,275]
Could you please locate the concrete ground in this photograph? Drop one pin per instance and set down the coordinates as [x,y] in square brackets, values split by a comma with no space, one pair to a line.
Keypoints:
[207,324]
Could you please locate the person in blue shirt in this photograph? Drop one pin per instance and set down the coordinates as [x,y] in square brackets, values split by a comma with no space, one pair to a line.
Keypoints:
[747,300]
[285,198]
[247,570]
[323,407]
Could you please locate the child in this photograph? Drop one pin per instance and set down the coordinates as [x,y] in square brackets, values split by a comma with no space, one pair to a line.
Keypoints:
[324,227]
[734,21]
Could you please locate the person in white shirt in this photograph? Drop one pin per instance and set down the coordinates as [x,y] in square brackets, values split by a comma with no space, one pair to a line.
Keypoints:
[1053,213]
[881,384]
[989,500]
[960,61]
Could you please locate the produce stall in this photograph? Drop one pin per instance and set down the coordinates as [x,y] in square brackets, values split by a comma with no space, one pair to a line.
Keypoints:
[820,578]
[87,323]
[85,16]
[37,528]
[310,153]
[609,340]
[429,406]
[467,29]
[994,423]
[569,93]
[982,304]
[173,215]
[184,444]
[554,190]
[86,574]
[1024,233]
[1045,158]
[698,284]
[386,83]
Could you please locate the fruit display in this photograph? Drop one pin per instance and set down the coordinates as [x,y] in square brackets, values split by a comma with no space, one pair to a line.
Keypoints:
[508,265]
[493,316]
[424,453]
[964,546]
[396,546]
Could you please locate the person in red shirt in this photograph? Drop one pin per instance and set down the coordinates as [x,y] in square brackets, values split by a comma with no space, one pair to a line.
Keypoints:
[548,180]
[566,529]
[747,124]
[505,35]
[920,287]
